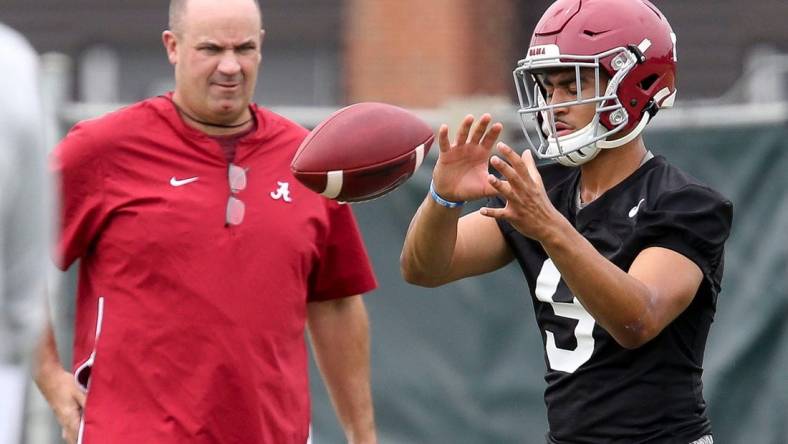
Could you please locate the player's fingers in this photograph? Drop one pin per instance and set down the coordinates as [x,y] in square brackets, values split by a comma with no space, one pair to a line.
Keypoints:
[506,170]
[530,165]
[513,180]
[465,129]
[443,138]
[515,161]
[491,136]
[496,213]
[480,128]
[503,188]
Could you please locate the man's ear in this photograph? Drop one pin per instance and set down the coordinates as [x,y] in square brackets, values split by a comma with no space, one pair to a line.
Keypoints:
[170,45]
[262,36]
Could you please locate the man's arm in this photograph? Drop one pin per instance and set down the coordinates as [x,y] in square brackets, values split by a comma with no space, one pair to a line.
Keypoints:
[58,386]
[633,306]
[441,247]
[339,330]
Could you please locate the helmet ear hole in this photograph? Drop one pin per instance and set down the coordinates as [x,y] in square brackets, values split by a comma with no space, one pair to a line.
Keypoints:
[646,83]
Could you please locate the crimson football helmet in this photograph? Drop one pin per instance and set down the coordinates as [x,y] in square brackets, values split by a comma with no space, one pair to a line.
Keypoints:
[628,41]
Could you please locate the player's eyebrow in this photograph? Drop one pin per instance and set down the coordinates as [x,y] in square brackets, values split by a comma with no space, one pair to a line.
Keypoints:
[564,79]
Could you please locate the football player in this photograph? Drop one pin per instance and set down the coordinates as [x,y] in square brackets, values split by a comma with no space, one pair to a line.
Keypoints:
[622,251]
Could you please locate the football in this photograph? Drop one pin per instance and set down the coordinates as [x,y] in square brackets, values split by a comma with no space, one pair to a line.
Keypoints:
[362,152]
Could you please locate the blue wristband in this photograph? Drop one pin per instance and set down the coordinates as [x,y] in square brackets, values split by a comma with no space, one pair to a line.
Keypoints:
[441,201]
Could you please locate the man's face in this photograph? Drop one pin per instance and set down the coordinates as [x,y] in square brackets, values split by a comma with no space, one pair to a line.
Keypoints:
[561,86]
[216,54]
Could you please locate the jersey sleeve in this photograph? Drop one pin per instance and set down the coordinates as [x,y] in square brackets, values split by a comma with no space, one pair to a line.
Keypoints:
[79,174]
[344,268]
[694,221]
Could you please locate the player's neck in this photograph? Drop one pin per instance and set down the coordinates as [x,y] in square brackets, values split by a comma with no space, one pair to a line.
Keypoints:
[609,168]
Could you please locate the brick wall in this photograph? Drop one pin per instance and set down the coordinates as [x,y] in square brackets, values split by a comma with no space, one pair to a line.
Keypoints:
[414,52]
[422,53]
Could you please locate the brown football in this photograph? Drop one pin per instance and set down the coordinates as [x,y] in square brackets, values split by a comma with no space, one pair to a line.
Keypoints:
[362,152]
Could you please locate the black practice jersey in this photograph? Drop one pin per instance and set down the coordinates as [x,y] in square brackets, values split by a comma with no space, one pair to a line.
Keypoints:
[597,391]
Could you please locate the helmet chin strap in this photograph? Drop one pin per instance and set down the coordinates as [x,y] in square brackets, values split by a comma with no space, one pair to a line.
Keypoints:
[604,144]
[587,153]
[579,153]
[579,157]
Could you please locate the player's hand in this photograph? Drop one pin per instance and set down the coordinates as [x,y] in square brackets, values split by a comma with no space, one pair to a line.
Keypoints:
[66,399]
[528,208]
[460,173]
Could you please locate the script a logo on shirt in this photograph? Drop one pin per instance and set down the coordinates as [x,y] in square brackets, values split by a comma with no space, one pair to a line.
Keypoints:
[282,193]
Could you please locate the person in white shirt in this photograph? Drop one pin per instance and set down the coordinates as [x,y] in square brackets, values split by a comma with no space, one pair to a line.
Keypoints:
[24,222]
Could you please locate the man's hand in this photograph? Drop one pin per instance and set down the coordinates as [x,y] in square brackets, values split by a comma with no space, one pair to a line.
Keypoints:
[528,208]
[460,173]
[66,399]
[58,386]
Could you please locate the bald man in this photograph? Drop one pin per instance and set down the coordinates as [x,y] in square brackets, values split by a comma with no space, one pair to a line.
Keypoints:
[203,261]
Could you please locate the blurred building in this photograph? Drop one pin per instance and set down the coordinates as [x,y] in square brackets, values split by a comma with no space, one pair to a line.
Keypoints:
[478,355]
[118,54]
[415,53]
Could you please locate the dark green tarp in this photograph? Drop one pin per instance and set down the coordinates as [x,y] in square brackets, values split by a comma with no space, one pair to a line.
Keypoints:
[464,363]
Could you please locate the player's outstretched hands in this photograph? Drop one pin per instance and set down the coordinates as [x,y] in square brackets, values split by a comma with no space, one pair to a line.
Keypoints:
[66,399]
[460,173]
[528,208]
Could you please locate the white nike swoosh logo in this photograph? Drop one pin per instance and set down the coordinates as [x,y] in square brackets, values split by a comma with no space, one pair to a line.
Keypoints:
[634,211]
[179,183]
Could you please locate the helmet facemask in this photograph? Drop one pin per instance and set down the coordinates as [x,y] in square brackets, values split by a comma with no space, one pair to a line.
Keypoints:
[537,116]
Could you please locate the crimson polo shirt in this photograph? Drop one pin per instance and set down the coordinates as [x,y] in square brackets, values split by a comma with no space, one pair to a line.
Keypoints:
[188,330]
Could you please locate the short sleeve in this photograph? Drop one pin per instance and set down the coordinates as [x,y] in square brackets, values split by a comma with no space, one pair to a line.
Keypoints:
[77,167]
[343,268]
[694,221]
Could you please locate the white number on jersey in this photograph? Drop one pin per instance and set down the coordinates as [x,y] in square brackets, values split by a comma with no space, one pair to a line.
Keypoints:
[561,359]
